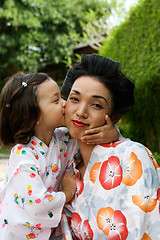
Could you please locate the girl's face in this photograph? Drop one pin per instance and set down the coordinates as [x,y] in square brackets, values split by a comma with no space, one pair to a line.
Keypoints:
[88,103]
[51,105]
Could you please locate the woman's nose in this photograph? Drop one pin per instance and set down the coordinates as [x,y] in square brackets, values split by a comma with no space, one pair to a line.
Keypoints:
[82,111]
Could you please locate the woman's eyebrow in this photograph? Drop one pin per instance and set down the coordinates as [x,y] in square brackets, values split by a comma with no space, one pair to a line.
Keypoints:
[76,91]
[94,96]
[97,96]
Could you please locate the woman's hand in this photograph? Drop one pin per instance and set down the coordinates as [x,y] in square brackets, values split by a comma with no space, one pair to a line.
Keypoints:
[104,134]
[69,185]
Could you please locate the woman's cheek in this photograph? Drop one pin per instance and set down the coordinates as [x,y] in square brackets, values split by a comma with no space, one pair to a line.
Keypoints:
[68,112]
[98,120]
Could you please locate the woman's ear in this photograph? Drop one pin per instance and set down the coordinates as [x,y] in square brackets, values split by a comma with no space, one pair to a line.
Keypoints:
[37,122]
[115,118]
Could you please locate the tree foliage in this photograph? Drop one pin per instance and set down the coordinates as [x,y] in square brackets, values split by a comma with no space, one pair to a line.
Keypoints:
[34,33]
[135,43]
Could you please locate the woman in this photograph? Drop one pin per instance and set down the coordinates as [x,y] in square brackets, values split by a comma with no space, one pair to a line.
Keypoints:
[118,184]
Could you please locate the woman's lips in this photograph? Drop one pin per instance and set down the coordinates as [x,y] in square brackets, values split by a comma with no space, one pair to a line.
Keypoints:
[79,123]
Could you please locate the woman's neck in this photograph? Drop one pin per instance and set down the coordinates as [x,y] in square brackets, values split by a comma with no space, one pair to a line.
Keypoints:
[86,151]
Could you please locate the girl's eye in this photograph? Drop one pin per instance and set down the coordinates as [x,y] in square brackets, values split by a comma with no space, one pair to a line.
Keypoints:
[56,100]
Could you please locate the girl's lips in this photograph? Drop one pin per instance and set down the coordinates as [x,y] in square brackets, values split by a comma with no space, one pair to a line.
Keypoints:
[79,123]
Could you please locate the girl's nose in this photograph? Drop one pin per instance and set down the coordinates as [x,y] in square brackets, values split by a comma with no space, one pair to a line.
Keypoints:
[63,103]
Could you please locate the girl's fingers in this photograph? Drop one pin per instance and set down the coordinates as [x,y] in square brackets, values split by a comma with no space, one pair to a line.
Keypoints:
[107,125]
[108,120]
[91,138]
[93,131]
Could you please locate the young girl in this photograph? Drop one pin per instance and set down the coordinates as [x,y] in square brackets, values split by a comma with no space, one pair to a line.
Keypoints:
[31,203]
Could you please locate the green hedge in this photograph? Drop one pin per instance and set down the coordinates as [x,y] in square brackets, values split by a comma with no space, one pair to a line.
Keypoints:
[136,44]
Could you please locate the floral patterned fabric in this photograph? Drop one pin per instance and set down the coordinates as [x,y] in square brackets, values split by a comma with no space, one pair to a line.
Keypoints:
[119,197]
[30,202]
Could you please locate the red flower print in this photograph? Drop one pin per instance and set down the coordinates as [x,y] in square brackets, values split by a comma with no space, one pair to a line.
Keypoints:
[38,200]
[13,149]
[112,223]
[32,175]
[34,143]
[36,156]
[111,173]
[158,197]
[88,233]
[80,186]
[145,203]
[49,197]
[134,170]
[29,190]
[68,163]
[118,228]
[146,237]
[112,144]
[31,236]
[94,171]
[158,194]
[69,220]
[38,226]
[54,168]
[76,224]
[19,147]
[49,189]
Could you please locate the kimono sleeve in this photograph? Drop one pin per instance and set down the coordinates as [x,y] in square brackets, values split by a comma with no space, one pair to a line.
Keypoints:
[31,201]
[141,181]
[128,184]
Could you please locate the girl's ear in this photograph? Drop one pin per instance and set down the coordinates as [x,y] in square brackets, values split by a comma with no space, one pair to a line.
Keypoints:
[115,118]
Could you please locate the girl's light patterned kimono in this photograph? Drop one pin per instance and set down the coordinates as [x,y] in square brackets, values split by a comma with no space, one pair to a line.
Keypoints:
[30,202]
[119,197]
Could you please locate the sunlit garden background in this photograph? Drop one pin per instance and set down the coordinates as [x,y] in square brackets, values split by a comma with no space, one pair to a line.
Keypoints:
[50,36]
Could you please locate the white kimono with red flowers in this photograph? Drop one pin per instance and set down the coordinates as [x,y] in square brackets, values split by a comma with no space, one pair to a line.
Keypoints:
[119,197]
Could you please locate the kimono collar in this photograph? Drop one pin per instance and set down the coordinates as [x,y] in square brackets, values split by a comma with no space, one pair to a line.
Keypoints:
[37,143]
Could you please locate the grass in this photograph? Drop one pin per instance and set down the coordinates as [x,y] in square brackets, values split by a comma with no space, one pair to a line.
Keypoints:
[5,150]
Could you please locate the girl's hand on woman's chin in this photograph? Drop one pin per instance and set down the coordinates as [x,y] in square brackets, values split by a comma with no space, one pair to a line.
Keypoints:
[103,134]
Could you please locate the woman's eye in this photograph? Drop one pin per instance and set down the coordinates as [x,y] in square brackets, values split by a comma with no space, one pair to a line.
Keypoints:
[73,99]
[96,105]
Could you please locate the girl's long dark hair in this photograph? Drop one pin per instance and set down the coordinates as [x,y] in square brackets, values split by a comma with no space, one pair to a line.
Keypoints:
[19,109]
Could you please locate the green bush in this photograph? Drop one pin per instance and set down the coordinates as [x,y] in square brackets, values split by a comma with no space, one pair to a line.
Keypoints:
[157,157]
[136,45]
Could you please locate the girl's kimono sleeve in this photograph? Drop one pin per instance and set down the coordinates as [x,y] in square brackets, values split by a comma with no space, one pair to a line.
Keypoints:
[27,204]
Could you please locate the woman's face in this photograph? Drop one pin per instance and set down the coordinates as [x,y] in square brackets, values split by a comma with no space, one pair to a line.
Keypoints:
[88,103]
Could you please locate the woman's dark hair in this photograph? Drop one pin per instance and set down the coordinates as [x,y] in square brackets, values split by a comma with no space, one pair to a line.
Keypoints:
[19,109]
[108,72]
